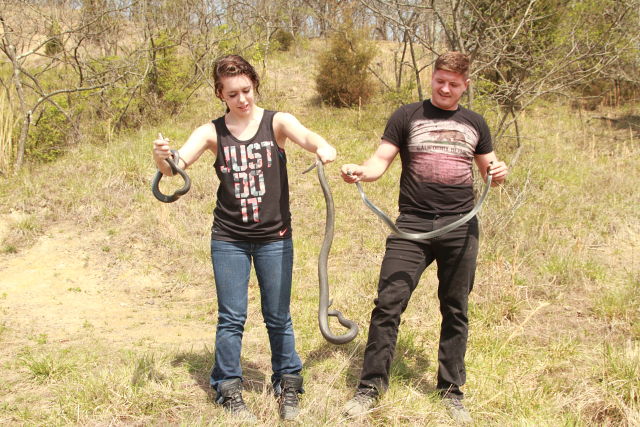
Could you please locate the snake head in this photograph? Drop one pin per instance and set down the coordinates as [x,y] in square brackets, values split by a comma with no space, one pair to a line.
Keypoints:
[489,168]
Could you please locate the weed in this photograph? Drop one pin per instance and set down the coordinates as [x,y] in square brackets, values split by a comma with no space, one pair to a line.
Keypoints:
[87,325]
[621,372]
[45,367]
[9,249]
[41,339]
[145,371]
[28,226]
[621,302]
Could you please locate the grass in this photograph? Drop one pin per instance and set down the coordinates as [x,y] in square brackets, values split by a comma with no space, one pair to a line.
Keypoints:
[554,312]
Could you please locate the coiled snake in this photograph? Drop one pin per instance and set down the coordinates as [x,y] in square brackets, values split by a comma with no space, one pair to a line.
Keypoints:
[173,161]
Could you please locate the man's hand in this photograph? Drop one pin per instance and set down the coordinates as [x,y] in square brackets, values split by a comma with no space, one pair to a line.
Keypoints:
[498,171]
[351,173]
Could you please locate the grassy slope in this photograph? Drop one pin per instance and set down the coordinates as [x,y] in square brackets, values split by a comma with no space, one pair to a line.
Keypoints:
[554,312]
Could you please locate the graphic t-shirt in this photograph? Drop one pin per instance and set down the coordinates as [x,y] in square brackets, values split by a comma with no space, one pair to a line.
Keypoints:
[253,195]
[437,149]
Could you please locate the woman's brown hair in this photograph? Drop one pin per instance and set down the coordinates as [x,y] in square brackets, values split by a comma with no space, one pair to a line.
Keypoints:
[231,66]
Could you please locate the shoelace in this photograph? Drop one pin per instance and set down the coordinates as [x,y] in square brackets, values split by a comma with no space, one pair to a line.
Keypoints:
[456,403]
[235,402]
[290,396]
[364,397]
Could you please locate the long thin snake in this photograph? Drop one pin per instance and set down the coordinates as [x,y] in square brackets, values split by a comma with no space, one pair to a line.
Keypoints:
[323,278]
[430,234]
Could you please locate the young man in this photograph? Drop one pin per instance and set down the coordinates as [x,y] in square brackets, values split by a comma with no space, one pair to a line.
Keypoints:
[438,140]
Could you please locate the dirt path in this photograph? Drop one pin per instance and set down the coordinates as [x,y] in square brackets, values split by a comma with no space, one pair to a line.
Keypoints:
[66,288]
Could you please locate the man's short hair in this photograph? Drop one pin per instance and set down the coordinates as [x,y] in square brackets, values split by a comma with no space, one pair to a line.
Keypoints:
[456,62]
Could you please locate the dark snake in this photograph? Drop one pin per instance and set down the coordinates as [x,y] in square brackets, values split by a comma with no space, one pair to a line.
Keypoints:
[430,234]
[173,161]
[325,302]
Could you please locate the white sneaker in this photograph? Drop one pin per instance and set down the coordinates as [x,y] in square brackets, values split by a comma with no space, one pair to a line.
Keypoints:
[457,411]
[363,402]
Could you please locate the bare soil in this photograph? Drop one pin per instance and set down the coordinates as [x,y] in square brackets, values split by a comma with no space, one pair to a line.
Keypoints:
[67,287]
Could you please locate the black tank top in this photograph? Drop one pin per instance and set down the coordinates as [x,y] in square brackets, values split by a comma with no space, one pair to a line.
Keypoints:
[253,195]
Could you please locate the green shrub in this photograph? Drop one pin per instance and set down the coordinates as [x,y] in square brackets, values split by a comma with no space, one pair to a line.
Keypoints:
[48,135]
[54,45]
[402,95]
[284,39]
[118,106]
[171,80]
[343,79]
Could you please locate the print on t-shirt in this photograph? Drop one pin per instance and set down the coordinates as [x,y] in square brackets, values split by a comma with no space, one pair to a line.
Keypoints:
[441,151]
[247,167]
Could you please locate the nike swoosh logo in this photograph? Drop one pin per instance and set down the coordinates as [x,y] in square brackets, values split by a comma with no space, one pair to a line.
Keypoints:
[282,232]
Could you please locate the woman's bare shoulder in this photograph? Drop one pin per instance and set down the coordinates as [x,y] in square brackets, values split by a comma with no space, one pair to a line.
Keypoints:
[206,134]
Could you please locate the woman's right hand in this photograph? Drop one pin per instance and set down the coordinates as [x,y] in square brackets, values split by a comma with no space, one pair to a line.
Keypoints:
[351,172]
[161,151]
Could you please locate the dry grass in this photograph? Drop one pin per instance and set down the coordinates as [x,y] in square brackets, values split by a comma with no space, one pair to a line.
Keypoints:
[554,312]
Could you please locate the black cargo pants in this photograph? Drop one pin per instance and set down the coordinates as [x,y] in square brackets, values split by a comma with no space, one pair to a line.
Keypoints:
[404,262]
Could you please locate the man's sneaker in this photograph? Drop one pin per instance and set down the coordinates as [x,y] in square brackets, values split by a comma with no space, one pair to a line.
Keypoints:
[364,401]
[230,397]
[457,410]
[291,386]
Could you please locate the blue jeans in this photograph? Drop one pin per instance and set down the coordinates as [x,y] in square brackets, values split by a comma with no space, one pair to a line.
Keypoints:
[231,266]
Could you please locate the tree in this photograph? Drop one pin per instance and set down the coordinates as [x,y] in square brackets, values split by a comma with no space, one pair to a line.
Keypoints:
[521,50]
[31,66]
[58,54]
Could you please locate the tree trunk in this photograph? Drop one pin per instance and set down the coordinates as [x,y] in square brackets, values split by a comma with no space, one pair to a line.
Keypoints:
[416,69]
[10,50]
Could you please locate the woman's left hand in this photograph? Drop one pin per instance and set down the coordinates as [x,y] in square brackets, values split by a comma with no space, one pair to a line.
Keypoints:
[326,153]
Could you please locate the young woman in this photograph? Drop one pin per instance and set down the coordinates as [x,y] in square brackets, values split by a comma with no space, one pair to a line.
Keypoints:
[252,223]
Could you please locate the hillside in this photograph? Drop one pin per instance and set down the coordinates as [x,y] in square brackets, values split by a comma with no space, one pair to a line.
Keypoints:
[107,302]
